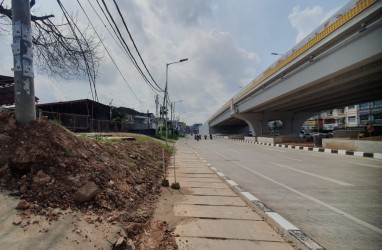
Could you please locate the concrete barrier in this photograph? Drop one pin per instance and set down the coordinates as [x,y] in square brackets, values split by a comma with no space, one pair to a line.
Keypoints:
[280,139]
[353,145]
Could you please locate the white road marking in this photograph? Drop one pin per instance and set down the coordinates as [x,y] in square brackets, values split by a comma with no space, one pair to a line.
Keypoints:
[362,164]
[282,221]
[276,150]
[250,196]
[290,158]
[220,174]
[237,152]
[343,213]
[314,175]
[232,183]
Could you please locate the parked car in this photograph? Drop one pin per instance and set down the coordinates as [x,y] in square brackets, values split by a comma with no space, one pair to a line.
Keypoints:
[309,134]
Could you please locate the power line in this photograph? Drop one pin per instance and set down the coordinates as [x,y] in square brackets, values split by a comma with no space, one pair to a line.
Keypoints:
[99,17]
[91,76]
[127,47]
[122,42]
[135,46]
[107,51]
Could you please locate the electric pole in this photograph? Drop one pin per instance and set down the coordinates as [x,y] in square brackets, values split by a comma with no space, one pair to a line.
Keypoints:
[25,109]
[156,104]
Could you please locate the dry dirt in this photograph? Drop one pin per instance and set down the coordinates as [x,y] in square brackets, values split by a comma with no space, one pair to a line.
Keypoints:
[54,172]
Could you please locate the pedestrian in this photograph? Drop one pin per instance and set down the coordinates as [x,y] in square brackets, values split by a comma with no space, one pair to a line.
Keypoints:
[370,129]
[205,137]
[211,136]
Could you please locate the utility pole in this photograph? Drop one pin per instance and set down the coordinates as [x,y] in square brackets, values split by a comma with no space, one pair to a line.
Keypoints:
[156,104]
[25,109]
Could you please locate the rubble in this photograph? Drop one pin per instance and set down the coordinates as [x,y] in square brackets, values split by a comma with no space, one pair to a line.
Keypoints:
[52,170]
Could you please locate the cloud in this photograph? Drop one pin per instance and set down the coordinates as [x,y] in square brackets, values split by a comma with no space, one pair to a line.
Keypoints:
[188,13]
[216,68]
[305,20]
[169,31]
[164,31]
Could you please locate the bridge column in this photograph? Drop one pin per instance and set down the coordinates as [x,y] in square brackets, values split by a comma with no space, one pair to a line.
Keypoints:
[292,121]
[254,121]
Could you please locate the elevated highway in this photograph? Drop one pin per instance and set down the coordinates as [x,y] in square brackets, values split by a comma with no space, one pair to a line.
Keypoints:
[338,64]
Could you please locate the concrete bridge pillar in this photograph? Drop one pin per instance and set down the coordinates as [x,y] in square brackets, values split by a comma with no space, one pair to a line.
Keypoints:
[291,121]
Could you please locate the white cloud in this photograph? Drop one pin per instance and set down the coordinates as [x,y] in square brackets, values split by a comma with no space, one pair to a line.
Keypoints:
[167,31]
[208,32]
[306,20]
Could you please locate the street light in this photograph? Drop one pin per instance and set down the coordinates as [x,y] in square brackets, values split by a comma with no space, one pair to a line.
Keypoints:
[276,54]
[172,118]
[165,181]
[178,120]
[166,91]
[173,109]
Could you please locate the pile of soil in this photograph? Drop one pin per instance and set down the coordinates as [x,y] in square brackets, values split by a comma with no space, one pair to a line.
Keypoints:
[51,169]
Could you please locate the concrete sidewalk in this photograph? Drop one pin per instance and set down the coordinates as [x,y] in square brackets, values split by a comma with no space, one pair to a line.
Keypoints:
[216,217]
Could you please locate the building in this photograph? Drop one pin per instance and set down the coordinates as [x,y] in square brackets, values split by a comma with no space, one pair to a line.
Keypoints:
[195,128]
[334,119]
[89,116]
[354,116]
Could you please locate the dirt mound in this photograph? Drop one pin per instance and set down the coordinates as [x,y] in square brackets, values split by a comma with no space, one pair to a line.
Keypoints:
[49,167]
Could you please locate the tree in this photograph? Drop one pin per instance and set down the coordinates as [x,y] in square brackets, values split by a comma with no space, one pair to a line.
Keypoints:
[60,49]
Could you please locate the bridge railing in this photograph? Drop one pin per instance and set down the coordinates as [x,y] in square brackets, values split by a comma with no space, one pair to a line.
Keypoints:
[341,17]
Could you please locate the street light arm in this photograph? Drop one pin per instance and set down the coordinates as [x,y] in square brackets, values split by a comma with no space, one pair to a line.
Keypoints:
[181,60]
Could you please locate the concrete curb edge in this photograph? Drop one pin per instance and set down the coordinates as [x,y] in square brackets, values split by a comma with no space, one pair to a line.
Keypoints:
[323,150]
[290,232]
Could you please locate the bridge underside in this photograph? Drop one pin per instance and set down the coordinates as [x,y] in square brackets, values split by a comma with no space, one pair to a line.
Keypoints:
[346,74]
[357,84]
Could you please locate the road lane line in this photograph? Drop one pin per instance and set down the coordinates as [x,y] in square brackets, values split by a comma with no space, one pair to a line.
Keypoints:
[362,164]
[290,158]
[234,151]
[330,207]
[314,175]
[269,149]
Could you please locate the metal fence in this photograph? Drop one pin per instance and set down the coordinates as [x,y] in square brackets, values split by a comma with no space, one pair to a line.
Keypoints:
[84,123]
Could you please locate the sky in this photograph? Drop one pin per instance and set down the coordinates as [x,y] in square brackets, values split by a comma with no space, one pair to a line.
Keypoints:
[228,43]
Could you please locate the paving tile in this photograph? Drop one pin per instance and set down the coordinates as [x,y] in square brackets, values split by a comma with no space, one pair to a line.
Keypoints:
[220,212]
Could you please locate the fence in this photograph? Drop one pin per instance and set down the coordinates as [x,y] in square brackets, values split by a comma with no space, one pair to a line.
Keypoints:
[84,123]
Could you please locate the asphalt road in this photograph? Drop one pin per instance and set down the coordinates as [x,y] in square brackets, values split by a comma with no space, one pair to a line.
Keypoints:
[335,199]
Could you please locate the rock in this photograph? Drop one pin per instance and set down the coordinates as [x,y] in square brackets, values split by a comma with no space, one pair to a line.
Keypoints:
[41,178]
[5,137]
[11,125]
[130,245]
[56,211]
[175,185]
[16,223]
[86,192]
[120,243]
[23,189]
[23,205]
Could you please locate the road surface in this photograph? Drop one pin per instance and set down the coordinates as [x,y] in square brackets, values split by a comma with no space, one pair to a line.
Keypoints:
[335,199]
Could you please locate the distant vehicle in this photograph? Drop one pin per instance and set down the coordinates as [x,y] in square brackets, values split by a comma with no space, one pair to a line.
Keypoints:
[329,126]
[309,134]
[305,134]
[248,134]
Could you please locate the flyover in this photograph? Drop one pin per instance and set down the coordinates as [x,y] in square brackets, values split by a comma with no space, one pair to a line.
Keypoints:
[338,64]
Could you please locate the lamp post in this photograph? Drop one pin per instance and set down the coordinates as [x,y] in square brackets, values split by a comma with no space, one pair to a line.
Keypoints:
[165,98]
[165,103]
[178,120]
[172,117]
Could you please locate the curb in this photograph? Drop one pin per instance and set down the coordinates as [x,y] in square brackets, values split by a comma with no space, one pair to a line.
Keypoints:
[290,232]
[324,150]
